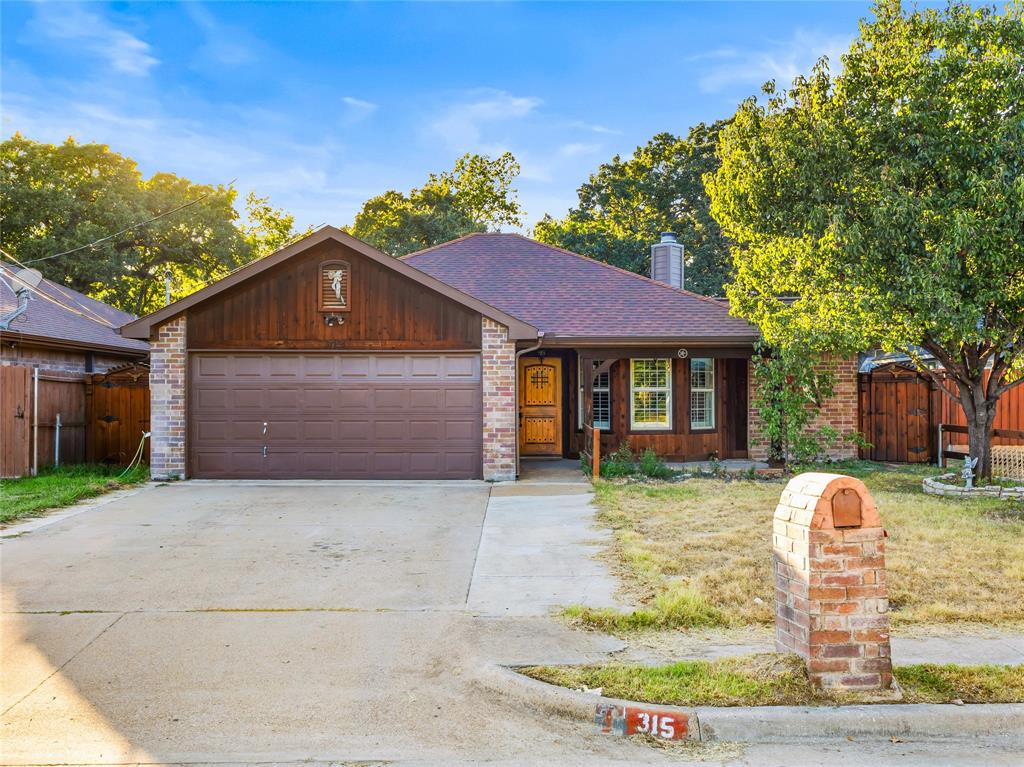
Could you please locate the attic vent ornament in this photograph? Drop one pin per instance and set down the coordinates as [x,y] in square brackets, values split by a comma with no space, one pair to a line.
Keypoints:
[336,275]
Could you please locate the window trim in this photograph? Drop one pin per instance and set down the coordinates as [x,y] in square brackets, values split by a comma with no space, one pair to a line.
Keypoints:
[580,396]
[667,389]
[712,389]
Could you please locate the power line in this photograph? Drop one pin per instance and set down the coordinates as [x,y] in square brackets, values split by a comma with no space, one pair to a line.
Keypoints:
[126,229]
[37,292]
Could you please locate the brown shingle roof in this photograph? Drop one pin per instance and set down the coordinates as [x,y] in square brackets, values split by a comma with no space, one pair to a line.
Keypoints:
[64,315]
[569,295]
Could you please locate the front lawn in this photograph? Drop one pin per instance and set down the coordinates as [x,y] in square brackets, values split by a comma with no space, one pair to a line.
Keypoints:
[63,486]
[770,679]
[697,553]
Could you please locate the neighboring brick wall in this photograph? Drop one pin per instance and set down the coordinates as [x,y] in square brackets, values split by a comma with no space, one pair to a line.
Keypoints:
[831,602]
[167,384]
[839,411]
[499,378]
[58,361]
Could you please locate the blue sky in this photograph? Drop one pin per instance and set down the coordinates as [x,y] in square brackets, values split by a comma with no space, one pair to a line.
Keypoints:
[322,105]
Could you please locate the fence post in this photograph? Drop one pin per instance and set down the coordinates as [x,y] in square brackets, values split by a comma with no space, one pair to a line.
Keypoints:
[831,602]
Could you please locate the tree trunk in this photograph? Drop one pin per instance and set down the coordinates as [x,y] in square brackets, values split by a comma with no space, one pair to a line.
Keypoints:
[981,415]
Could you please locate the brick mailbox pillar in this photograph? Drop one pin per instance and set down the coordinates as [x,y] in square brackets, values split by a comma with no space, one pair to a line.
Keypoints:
[831,604]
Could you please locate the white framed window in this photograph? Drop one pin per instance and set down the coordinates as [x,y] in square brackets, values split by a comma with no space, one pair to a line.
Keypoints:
[602,398]
[702,393]
[650,394]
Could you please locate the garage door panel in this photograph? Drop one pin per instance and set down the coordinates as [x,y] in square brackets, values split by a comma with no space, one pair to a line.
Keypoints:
[460,398]
[387,416]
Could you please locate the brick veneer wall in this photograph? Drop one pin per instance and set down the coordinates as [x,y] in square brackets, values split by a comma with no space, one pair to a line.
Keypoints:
[499,378]
[831,603]
[839,411]
[167,384]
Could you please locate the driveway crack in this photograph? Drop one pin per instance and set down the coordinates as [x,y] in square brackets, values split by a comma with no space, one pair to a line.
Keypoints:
[63,665]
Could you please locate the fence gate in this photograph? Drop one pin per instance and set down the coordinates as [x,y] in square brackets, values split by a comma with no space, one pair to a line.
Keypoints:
[896,406]
[15,420]
[117,411]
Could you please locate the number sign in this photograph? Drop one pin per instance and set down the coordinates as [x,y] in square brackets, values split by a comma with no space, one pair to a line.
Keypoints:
[635,720]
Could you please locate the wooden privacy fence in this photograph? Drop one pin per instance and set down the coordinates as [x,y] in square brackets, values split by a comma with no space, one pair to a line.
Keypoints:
[901,410]
[95,417]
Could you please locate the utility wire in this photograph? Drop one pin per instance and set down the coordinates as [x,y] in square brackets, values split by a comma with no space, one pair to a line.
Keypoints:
[127,229]
[42,294]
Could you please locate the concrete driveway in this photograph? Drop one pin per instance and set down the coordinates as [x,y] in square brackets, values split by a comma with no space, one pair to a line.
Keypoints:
[231,623]
[215,622]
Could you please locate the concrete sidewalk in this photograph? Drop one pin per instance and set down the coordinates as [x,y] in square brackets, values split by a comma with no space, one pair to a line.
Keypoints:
[538,552]
[972,647]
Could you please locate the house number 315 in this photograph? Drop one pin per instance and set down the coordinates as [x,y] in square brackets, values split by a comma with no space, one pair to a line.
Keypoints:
[658,726]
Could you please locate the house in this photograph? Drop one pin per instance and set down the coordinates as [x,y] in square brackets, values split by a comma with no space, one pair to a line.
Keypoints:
[330,359]
[62,330]
[52,339]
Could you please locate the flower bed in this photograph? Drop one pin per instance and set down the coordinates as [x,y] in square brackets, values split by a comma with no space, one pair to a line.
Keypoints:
[942,485]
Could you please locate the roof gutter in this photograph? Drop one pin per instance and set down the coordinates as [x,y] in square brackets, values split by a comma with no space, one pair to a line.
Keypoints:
[515,390]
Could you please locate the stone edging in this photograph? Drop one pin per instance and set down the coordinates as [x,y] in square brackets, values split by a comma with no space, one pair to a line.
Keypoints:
[936,486]
[777,724]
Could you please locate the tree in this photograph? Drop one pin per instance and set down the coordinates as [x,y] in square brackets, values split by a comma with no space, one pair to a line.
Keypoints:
[269,228]
[475,196]
[885,205]
[627,204]
[61,198]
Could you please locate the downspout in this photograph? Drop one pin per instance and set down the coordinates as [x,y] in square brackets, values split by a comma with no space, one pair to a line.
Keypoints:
[35,421]
[515,389]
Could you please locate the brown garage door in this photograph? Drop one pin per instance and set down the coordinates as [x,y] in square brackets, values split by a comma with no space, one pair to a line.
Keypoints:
[335,416]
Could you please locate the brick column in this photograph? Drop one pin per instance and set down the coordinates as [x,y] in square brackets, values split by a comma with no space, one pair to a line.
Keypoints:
[839,411]
[831,603]
[499,376]
[167,381]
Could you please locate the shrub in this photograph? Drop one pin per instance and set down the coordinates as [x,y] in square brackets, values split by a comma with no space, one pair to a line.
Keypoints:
[652,466]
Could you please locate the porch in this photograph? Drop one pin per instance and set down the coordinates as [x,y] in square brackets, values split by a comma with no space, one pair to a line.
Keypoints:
[685,403]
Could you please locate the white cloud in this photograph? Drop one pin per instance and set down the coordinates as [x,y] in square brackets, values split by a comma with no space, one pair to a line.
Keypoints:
[358,108]
[780,61]
[462,125]
[123,51]
[578,148]
[594,128]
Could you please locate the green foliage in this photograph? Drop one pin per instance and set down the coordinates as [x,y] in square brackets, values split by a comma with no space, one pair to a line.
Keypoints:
[57,198]
[884,205]
[626,205]
[769,679]
[790,390]
[476,195]
[673,608]
[652,466]
[621,463]
[269,228]
[62,486]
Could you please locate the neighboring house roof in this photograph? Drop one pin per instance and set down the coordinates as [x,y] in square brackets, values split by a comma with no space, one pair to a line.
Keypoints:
[65,317]
[141,328]
[574,297]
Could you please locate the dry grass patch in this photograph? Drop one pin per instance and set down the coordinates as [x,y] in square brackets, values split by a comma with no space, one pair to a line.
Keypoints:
[705,544]
[771,679]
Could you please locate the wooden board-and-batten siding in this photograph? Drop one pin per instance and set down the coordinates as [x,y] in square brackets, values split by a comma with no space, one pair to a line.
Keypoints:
[727,440]
[279,309]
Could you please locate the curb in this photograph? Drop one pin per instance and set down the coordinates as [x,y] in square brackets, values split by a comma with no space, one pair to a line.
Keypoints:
[777,724]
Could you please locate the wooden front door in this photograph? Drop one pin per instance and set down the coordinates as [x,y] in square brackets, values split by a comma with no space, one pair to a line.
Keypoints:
[540,406]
